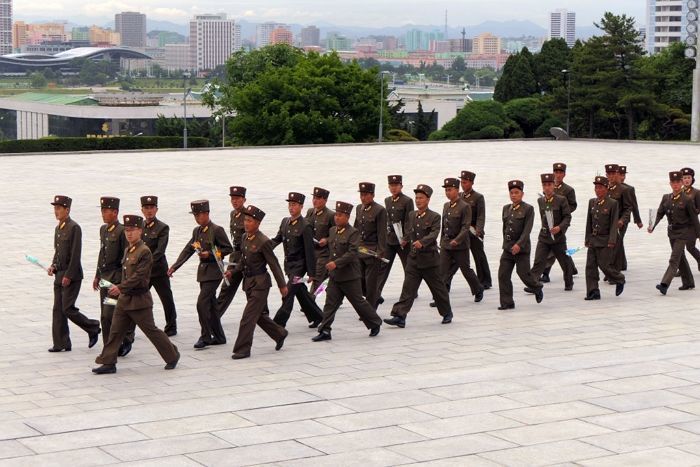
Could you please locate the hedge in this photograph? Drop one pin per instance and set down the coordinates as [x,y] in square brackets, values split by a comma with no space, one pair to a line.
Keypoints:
[99,144]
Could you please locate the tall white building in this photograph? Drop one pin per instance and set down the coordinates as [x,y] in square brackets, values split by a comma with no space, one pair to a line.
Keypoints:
[212,41]
[263,32]
[666,23]
[5,27]
[562,25]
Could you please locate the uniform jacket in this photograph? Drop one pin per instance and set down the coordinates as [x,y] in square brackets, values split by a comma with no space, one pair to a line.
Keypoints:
[623,195]
[561,216]
[601,222]
[207,236]
[68,242]
[682,218]
[517,225]
[476,201]
[397,211]
[321,223]
[423,227]
[136,278]
[343,243]
[297,239]
[456,218]
[635,205]
[694,194]
[112,245]
[257,255]
[155,235]
[237,231]
[568,192]
[371,221]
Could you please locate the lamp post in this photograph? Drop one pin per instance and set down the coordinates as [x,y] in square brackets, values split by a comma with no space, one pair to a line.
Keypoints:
[185,76]
[381,104]
[568,100]
[691,41]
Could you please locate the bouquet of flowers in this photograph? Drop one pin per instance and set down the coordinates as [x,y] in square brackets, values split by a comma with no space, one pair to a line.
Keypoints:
[366,251]
[33,260]
[321,288]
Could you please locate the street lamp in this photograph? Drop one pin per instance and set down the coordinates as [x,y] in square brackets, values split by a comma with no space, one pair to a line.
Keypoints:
[223,128]
[568,100]
[185,76]
[693,17]
[381,105]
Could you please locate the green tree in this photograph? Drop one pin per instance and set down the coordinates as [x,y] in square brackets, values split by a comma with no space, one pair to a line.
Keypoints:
[38,80]
[528,112]
[517,80]
[477,120]
[554,57]
[459,65]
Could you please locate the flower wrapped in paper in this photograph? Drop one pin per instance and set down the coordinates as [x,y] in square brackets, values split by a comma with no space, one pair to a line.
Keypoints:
[35,261]
[321,288]
[366,251]
[220,262]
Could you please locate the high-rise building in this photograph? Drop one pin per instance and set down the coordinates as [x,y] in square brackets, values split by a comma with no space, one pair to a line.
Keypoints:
[562,25]
[263,32]
[237,40]
[131,26]
[101,37]
[81,33]
[281,35]
[177,57]
[666,22]
[211,41]
[486,44]
[5,27]
[335,41]
[310,36]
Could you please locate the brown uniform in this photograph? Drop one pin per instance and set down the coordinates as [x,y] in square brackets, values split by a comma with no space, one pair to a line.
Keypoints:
[456,218]
[623,195]
[476,243]
[371,221]
[601,231]
[321,223]
[694,195]
[568,192]
[683,229]
[228,292]
[156,235]
[397,209]
[546,245]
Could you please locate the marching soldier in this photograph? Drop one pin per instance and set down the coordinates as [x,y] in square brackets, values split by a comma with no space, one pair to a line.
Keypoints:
[552,238]
[68,276]
[423,261]
[623,196]
[454,240]
[476,230]
[398,205]
[345,277]
[633,197]
[211,244]
[156,234]
[227,292]
[518,218]
[371,221]
[134,303]
[109,265]
[683,229]
[297,239]
[601,237]
[321,220]
[257,256]
[568,192]
[694,194]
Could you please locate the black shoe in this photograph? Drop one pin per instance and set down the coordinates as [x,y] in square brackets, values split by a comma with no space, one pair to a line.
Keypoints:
[58,349]
[219,341]
[539,295]
[506,307]
[663,288]
[479,295]
[240,356]
[105,370]
[200,344]
[171,332]
[173,364]
[529,290]
[574,272]
[280,342]
[486,286]
[545,278]
[682,287]
[593,295]
[433,305]
[314,324]
[380,300]
[124,349]
[569,288]
[447,319]
[396,321]
[322,336]
[374,331]
[94,338]
[619,288]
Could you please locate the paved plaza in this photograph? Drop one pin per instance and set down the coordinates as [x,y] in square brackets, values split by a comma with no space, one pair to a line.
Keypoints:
[567,382]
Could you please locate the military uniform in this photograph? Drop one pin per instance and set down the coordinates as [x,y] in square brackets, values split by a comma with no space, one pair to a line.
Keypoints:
[476,242]
[397,208]
[601,232]
[156,234]
[548,244]
[135,305]
[371,221]
[257,255]
[568,192]
[67,242]
[694,194]
[517,225]
[456,218]
[297,238]
[633,197]
[345,279]
[623,195]
[321,222]
[423,264]
[208,273]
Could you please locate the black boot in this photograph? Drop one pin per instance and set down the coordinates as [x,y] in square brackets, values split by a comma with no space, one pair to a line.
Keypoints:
[396,321]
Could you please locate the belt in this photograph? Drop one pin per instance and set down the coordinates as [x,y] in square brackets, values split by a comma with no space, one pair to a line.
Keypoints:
[254,272]
[678,226]
[134,292]
[110,269]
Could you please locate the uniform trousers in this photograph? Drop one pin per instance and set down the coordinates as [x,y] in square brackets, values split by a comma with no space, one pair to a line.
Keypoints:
[352,289]
[165,293]
[256,313]
[226,295]
[521,264]
[542,254]
[678,263]
[601,257]
[476,246]
[453,260]
[619,256]
[106,313]
[206,310]
[64,309]
[371,269]
[392,251]
[308,305]
[413,276]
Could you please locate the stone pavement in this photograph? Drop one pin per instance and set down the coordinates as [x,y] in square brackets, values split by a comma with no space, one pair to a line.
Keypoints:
[614,382]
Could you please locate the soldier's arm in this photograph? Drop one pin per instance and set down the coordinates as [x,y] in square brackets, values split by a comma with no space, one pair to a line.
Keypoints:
[277,239]
[274,264]
[381,232]
[566,217]
[571,198]
[527,229]
[76,245]
[660,213]
[464,224]
[163,236]
[627,206]
[55,254]
[409,207]
[99,256]
[309,256]
[614,231]
[140,278]
[408,231]
[186,253]
[589,225]
[690,208]
[222,242]
[481,216]
[350,255]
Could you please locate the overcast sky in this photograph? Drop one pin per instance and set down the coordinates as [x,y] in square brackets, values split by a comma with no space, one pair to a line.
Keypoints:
[372,13]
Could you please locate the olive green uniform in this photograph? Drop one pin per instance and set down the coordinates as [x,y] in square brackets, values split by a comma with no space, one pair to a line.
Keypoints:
[371,222]
[228,292]
[321,222]
[683,230]
[155,235]
[397,208]
[623,195]
[601,231]
[476,243]
[456,218]
[546,245]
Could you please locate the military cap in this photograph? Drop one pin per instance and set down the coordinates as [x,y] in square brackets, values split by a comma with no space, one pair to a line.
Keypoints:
[547,178]
[366,187]
[467,175]
[600,180]
[623,169]
[255,213]
[344,208]
[451,183]
[559,166]
[132,220]
[149,200]
[199,206]
[321,193]
[611,168]
[688,171]
[295,198]
[395,179]
[109,202]
[236,191]
[425,189]
[675,176]
[516,184]
[61,200]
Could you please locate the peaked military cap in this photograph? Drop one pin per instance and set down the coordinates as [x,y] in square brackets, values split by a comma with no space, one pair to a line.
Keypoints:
[61,200]
[109,202]
[395,179]
[295,198]
[451,183]
[612,168]
[342,207]
[255,213]
[675,176]
[321,193]
[132,220]
[425,189]
[237,191]
[149,200]
[688,171]
[516,184]
[623,169]
[366,187]
[199,206]
[547,178]
[559,166]
[467,175]
[600,180]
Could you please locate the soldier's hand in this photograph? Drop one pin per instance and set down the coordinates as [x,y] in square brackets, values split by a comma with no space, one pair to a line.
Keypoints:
[51,270]
[310,280]
[611,245]
[65,282]
[170,272]
[587,245]
[96,283]
[620,224]
[417,245]
[204,255]
[284,291]
[650,229]
[555,230]
[228,275]
[323,242]
[516,249]
[640,225]
[114,291]
[403,243]
[454,243]
[331,265]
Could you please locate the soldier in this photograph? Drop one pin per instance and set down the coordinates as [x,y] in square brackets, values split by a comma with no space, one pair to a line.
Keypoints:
[257,255]
[423,261]
[601,237]
[683,229]
[297,238]
[552,238]
[633,197]
[345,277]
[134,303]
[454,241]
[371,221]
[68,275]
[227,292]
[211,244]
[156,234]
[518,218]
[623,196]
[321,220]
[476,230]
[694,194]
[109,265]
[568,192]
[398,205]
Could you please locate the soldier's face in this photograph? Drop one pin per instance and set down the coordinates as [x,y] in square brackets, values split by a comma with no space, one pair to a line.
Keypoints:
[612,177]
[237,202]
[149,211]
[61,212]
[201,218]
[548,188]
[133,234]
[452,193]
[395,188]
[294,208]
[687,180]
[109,215]
[341,218]
[422,201]
[516,195]
[466,185]
[676,185]
[319,202]
[621,177]
[559,176]
[366,198]
[600,190]
[251,225]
